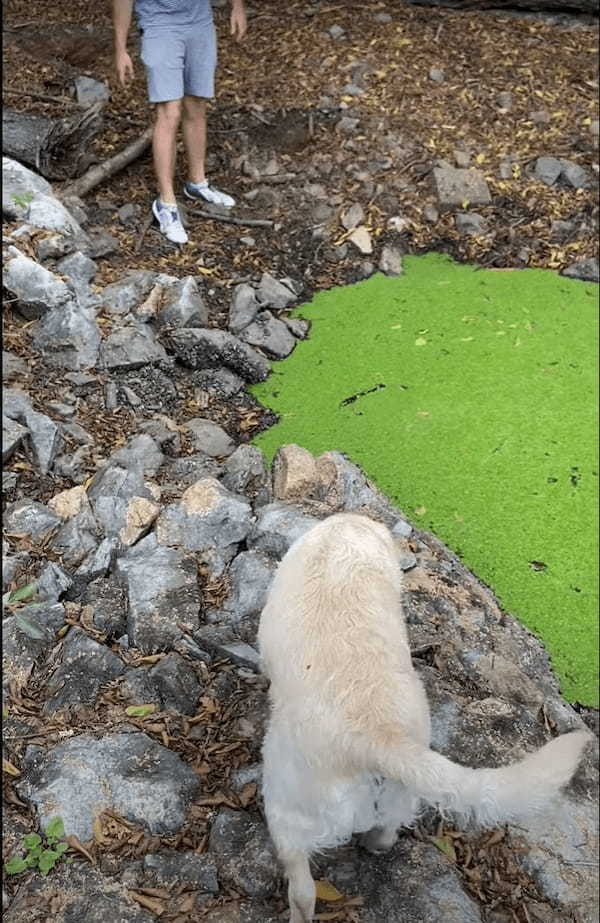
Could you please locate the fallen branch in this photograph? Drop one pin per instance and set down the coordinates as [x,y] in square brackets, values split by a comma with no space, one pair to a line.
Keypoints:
[56,148]
[230,219]
[43,97]
[104,171]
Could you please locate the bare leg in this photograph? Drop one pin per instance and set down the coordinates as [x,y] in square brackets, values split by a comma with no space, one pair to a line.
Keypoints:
[194,136]
[164,147]
[301,888]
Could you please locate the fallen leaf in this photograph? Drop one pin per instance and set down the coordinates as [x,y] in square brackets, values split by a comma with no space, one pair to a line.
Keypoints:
[9,769]
[140,711]
[444,844]
[327,892]
[420,341]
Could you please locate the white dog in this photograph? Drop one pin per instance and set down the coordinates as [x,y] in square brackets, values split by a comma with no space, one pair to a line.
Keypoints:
[347,748]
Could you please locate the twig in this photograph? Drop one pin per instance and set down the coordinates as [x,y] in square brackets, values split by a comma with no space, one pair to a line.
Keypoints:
[145,229]
[438,32]
[41,96]
[230,219]
[104,171]
[276,178]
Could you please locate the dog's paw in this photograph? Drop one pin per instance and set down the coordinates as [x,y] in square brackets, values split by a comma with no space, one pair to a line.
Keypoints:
[378,842]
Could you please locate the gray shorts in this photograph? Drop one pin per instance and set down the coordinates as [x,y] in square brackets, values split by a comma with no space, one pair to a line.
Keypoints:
[180,62]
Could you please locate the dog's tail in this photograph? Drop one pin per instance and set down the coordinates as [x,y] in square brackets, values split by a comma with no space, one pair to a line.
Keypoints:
[489,796]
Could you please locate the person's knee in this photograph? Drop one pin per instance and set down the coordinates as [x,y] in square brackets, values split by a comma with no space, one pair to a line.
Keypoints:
[168,115]
[194,107]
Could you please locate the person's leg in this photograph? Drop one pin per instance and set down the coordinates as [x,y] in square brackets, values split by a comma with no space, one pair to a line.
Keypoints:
[194,136]
[164,147]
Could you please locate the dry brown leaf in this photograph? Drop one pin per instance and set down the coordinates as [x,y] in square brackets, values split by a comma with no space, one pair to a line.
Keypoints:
[327,892]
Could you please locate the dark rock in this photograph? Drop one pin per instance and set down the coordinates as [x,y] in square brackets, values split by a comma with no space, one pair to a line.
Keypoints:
[183,306]
[219,381]
[12,436]
[20,650]
[182,868]
[244,854]
[12,366]
[250,577]
[270,334]
[69,337]
[246,473]
[86,666]
[176,683]
[32,519]
[141,454]
[53,582]
[244,307]
[574,175]
[199,348]
[470,223]
[277,528]
[131,348]
[547,170]
[109,604]
[209,438]
[79,268]
[453,187]
[586,270]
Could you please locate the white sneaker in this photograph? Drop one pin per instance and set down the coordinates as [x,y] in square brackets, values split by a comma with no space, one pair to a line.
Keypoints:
[208,193]
[169,221]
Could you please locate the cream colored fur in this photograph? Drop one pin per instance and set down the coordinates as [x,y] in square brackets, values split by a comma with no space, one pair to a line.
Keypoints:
[347,747]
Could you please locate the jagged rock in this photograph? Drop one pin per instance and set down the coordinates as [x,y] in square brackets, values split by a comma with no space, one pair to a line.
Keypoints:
[130,348]
[31,519]
[140,454]
[163,594]
[108,600]
[250,577]
[178,689]
[243,852]
[20,650]
[89,91]
[274,294]
[298,326]
[547,170]
[344,487]
[124,296]
[79,268]
[199,348]
[127,772]
[75,892]
[36,289]
[12,436]
[353,216]
[43,434]
[270,334]
[574,175]
[454,186]
[244,307]
[98,562]
[183,306]
[390,262]
[12,366]
[246,473]
[69,337]
[208,519]
[86,665]
[53,582]
[28,197]
[239,652]
[168,869]
[69,503]
[139,516]
[219,381]
[361,238]
[277,528]
[209,438]
[295,475]
[111,492]
[586,270]
[470,223]
[77,538]
[184,471]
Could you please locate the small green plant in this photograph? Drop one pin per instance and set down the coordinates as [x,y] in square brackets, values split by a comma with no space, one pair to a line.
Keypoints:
[41,853]
[24,199]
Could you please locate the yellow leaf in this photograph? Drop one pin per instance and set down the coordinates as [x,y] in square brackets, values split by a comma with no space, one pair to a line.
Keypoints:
[466,339]
[420,511]
[9,769]
[420,341]
[327,892]
[480,158]
[444,844]
[205,272]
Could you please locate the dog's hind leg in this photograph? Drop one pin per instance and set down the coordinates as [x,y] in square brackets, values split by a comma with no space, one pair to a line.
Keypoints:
[301,887]
[395,807]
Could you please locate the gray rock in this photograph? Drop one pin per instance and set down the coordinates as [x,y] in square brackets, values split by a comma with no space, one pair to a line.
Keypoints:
[73,467]
[561,230]
[128,293]
[219,381]
[547,170]
[437,75]
[140,454]
[239,652]
[246,775]
[504,100]
[89,91]
[53,247]
[31,519]
[270,334]
[76,539]
[131,347]
[574,175]
[344,487]
[183,305]
[244,307]
[431,214]
[53,582]
[136,687]
[185,471]
[12,565]
[209,438]
[12,366]
[470,223]
[98,562]
[100,243]
[586,270]
[128,213]
[298,326]
[45,439]
[163,594]
[382,19]
[199,348]
[401,529]
[108,600]
[126,772]
[244,854]
[453,187]
[274,294]
[27,196]
[208,519]
[390,262]
[69,337]
[250,577]
[336,32]
[354,216]
[86,666]
[246,473]
[183,868]
[79,268]
[111,492]
[76,893]
[277,528]
[12,436]
[20,650]
[36,289]
[176,683]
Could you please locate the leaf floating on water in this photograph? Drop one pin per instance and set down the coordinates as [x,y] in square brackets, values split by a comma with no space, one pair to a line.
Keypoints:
[420,341]
[327,892]
[444,844]
[420,510]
